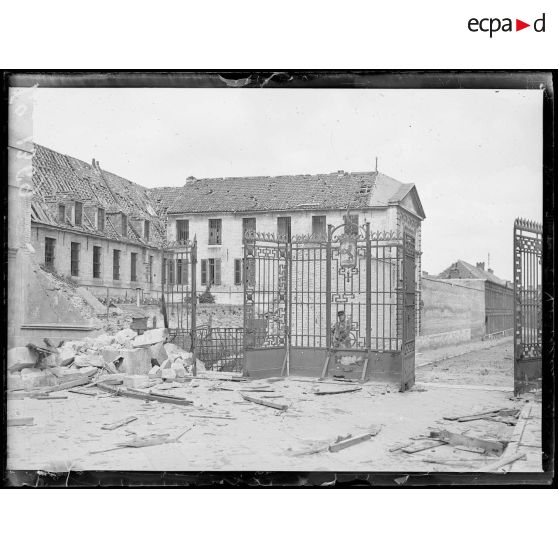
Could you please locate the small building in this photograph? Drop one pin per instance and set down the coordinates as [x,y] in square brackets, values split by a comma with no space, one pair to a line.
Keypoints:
[498,305]
[95,227]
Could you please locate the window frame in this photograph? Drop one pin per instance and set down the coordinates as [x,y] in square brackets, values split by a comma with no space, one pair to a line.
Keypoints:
[217,232]
[75,249]
[133,266]
[62,212]
[245,228]
[316,219]
[287,220]
[101,219]
[97,262]
[116,256]
[50,252]
[180,230]
[78,221]
[238,270]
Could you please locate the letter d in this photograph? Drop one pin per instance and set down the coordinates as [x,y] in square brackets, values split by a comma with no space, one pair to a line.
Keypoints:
[536,24]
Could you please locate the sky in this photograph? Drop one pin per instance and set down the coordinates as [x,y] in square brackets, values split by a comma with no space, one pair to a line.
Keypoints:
[475,156]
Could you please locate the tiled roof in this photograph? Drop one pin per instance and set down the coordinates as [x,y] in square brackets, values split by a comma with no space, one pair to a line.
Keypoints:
[61,178]
[466,270]
[338,190]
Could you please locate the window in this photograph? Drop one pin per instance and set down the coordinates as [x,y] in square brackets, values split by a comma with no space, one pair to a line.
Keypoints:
[116,265]
[96,262]
[182,272]
[284,226]
[248,224]
[124,225]
[101,219]
[211,271]
[133,266]
[62,213]
[351,224]
[238,271]
[171,272]
[215,231]
[182,229]
[78,213]
[50,244]
[319,226]
[150,270]
[74,259]
[146,227]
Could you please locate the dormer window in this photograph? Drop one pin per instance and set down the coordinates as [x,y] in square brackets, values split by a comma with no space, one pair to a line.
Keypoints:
[146,226]
[124,225]
[78,213]
[62,213]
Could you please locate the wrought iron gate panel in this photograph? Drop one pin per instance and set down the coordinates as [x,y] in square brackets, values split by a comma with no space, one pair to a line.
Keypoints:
[527,305]
[179,287]
[409,311]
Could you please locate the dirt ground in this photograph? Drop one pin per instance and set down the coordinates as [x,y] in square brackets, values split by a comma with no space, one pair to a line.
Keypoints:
[491,364]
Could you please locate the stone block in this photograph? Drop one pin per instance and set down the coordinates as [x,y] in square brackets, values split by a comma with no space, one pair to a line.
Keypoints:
[110,355]
[158,352]
[155,372]
[151,337]
[94,359]
[33,378]
[166,364]
[125,335]
[135,361]
[65,356]
[14,381]
[135,381]
[168,374]
[20,358]
[179,369]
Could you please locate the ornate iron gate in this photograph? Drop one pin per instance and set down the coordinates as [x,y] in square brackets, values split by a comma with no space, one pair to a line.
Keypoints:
[409,311]
[179,291]
[315,305]
[527,253]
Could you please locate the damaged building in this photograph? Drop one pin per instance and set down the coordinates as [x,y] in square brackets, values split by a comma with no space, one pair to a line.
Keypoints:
[95,227]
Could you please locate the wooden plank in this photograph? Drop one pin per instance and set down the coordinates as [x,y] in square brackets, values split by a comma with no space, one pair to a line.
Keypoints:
[503,462]
[326,365]
[21,421]
[143,396]
[279,406]
[337,392]
[484,413]
[60,387]
[424,446]
[353,440]
[49,397]
[364,368]
[455,439]
[118,423]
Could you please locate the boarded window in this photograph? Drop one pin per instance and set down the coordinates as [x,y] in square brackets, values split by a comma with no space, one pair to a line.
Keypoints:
[97,262]
[116,265]
[248,224]
[238,272]
[78,213]
[211,271]
[150,270]
[74,259]
[146,230]
[319,226]
[50,245]
[133,266]
[284,226]
[124,225]
[215,231]
[62,213]
[101,219]
[182,229]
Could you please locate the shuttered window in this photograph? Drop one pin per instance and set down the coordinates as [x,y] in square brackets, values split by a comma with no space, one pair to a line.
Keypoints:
[182,229]
[50,244]
[133,266]
[116,265]
[248,224]
[78,213]
[62,213]
[182,272]
[215,231]
[238,271]
[101,219]
[319,226]
[211,271]
[284,226]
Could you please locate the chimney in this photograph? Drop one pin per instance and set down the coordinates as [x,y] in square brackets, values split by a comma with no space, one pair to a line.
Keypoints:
[93,164]
[480,265]
[340,172]
[490,271]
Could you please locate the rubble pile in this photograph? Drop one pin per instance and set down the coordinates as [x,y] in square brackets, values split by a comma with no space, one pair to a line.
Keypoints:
[126,357]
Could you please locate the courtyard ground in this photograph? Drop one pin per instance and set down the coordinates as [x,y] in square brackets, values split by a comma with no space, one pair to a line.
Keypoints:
[222,431]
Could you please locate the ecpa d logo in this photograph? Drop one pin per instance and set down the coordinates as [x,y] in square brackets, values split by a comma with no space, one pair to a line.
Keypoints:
[493,25]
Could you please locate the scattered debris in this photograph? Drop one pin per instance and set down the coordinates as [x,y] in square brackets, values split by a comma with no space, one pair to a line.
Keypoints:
[279,406]
[144,396]
[50,397]
[118,423]
[21,421]
[336,392]
[459,440]
[351,441]
[145,441]
[503,462]
[426,445]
